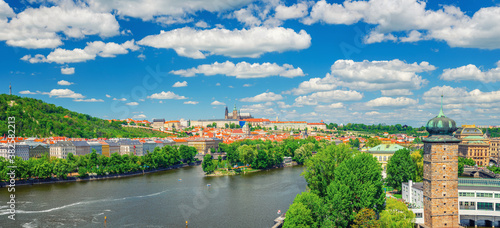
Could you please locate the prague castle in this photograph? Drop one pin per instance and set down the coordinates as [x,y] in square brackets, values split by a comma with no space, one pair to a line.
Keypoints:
[236,115]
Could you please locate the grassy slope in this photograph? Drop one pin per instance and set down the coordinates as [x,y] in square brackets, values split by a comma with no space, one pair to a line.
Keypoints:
[37,118]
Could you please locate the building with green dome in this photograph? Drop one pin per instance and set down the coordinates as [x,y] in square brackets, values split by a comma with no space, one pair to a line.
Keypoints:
[440,180]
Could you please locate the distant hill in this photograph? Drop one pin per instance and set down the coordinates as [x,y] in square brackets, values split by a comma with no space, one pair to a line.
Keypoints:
[37,118]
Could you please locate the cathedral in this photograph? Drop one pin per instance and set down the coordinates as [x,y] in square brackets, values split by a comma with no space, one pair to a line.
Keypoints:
[236,115]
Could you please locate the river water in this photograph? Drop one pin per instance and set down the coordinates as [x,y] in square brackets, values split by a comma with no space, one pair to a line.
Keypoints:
[163,199]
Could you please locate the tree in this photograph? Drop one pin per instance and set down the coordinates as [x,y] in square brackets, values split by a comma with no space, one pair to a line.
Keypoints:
[247,154]
[315,205]
[418,160]
[70,157]
[82,172]
[366,218]
[396,215]
[298,216]
[400,168]
[187,153]
[464,161]
[354,143]
[373,142]
[304,152]
[61,168]
[319,171]
[261,161]
[357,185]
[207,164]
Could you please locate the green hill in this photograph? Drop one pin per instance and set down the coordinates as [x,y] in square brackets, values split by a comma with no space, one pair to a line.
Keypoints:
[37,118]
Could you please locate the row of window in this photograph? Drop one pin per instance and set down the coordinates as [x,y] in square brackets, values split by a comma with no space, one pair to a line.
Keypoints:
[479,194]
[483,206]
[385,158]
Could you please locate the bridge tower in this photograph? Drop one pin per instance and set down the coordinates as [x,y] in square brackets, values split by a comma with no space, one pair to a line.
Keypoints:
[440,173]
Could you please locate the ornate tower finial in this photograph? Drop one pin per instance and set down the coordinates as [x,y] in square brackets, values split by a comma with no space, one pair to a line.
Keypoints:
[441,113]
[10,88]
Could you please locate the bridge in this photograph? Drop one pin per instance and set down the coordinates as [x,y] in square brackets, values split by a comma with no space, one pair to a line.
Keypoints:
[479,172]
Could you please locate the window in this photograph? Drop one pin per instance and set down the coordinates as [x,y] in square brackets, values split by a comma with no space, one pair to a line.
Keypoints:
[484,195]
[467,205]
[485,206]
[497,206]
[385,158]
[497,195]
[467,194]
[418,215]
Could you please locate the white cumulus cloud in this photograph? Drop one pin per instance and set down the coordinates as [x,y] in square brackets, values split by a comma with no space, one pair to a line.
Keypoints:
[46,27]
[328,97]
[242,70]
[472,73]
[67,70]
[191,102]
[166,95]
[89,100]
[393,18]
[368,76]
[26,92]
[133,103]
[64,83]
[396,92]
[253,42]
[298,10]
[147,10]
[140,116]
[180,84]
[218,103]
[391,102]
[64,93]
[90,52]
[263,97]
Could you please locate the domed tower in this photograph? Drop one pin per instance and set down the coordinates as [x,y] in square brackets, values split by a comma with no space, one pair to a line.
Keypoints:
[441,172]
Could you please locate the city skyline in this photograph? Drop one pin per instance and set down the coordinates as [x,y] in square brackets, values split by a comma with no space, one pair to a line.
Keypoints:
[354,62]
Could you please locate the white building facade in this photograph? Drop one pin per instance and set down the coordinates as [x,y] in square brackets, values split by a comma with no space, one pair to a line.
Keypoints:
[479,201]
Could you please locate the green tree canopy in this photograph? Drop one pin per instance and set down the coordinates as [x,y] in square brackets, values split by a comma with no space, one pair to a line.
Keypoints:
[373,142]
[298,216]
[247,154]
[400,168]
[396,215]
[357,185]
[319,171]
[366,218]
[418,160]
[207,165]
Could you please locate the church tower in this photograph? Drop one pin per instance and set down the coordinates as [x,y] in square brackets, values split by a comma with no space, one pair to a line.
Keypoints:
[226,114]
[235,112]
[441,173]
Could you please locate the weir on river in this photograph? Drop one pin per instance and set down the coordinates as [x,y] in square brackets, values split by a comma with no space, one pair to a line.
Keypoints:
[163,199]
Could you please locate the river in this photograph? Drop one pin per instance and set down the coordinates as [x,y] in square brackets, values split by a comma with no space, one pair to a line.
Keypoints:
[163,199]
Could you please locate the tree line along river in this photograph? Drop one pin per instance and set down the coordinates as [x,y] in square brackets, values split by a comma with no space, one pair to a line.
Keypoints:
[162,199]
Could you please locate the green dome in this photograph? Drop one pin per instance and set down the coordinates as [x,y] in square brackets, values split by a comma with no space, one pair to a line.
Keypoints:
[441,125]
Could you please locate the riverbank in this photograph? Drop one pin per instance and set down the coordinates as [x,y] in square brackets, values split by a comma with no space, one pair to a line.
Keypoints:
[94,178]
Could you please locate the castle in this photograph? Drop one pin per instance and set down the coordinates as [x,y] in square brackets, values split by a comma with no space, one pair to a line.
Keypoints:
[236,114]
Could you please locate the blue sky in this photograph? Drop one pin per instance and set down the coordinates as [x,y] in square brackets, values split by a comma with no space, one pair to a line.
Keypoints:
[375,61]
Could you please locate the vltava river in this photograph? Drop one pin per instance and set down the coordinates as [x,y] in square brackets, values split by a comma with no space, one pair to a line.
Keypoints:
[164,199]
